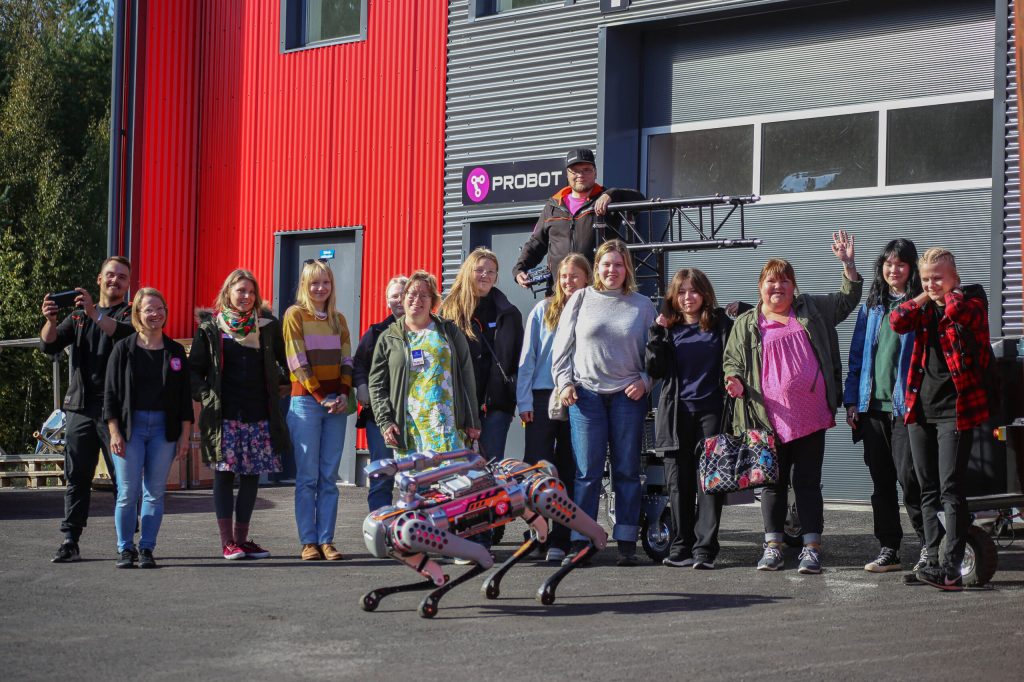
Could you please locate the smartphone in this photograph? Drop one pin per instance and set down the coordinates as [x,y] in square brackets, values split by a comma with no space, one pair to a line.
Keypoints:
[65,299]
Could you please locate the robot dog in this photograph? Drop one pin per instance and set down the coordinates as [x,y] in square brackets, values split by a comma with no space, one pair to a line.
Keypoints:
[445,498]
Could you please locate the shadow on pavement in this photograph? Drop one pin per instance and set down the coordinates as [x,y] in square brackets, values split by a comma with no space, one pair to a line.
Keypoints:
[35,504]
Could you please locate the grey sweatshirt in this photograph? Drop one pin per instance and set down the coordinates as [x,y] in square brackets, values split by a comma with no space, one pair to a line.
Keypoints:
[600,341]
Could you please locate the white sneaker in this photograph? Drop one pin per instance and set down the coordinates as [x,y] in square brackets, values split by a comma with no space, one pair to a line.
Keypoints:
[555,555]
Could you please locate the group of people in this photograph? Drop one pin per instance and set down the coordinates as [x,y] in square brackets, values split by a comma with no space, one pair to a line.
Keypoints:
[449,373]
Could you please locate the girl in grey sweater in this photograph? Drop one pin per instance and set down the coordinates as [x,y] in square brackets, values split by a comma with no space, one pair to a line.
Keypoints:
[598,368]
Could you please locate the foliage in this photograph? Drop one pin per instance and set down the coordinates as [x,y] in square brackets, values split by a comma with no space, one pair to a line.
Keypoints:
[55,63]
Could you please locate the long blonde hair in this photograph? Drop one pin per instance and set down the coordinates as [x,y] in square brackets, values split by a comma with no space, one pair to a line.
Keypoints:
[223,300]
[461,301]
[618,246]
[558,301]
[310,270]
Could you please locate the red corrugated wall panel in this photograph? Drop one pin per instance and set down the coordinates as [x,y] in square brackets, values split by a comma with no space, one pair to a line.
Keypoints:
[240,141]
[165,162]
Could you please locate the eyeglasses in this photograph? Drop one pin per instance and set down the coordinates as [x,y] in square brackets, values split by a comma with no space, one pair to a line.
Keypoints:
[310,261]
[418,297]
[154,311]
[484,272]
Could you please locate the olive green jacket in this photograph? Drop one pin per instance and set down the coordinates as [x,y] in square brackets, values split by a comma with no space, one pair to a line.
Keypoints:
[206,360]
[389,378]
[819,316]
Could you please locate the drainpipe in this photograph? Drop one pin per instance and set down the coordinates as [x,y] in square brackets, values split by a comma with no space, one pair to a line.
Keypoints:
[116,132]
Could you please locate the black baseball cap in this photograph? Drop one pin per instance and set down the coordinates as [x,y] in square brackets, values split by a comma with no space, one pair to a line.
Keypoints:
[581,155]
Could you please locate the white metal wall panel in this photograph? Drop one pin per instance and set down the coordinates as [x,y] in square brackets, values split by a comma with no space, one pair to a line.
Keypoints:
[1013,301]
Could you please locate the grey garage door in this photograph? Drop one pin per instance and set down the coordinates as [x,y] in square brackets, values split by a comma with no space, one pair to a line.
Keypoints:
[839,57]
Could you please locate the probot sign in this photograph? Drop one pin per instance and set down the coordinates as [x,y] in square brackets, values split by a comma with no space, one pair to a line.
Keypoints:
[509,183]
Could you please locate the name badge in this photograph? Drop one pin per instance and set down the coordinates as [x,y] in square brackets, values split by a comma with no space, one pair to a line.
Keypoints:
[418,359]
[176,364]
[225,335]
[492,325]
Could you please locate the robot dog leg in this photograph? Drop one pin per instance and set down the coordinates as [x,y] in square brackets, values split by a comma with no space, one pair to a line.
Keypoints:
[408,537]
[538,534]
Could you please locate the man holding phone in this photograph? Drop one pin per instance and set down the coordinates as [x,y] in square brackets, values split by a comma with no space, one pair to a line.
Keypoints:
[91,330]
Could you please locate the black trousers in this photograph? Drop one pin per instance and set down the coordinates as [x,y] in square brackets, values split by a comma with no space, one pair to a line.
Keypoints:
[695,516]
[940,460]
[86,435]
[800,461]
[887,456]
[551,440]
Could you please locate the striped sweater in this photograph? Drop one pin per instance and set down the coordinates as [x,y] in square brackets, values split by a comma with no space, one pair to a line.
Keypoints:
[319,359]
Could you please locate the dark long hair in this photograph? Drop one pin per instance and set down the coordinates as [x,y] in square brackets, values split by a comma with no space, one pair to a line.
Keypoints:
[904,250]
[702,285]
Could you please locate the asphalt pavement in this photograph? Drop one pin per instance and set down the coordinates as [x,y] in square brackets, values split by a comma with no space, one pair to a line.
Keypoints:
[201,617]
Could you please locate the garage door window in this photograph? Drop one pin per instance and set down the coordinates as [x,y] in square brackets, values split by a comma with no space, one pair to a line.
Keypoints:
[928,144]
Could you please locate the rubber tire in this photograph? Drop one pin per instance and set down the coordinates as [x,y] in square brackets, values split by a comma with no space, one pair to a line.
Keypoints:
[654,549]
[980,544]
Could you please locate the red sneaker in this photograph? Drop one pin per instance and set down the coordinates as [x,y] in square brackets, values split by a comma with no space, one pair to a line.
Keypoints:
[253,551]
[233,551]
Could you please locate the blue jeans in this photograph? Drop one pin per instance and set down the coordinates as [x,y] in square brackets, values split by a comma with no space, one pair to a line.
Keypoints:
[143,469]
[597,422]
[317,440]
[493,433]
[380,488]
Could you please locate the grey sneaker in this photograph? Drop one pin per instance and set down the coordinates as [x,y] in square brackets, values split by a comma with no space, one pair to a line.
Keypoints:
[679,560]
[555,555]
[888,560]
[772,559]
[810,560]
[703,563]
[922,560]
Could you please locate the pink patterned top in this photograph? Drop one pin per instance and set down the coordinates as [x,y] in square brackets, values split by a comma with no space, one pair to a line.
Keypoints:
[791,381]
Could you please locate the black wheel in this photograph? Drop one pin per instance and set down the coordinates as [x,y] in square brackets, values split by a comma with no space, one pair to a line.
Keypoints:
[657,537]
[369,601]
[981,558]
[428,609]
[793,529]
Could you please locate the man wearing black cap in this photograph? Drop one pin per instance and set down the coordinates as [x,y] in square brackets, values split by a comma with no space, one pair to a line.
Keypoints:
[567,222]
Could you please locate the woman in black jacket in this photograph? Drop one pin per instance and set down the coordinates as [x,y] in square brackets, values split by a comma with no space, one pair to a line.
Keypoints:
[148,410]
[685,351]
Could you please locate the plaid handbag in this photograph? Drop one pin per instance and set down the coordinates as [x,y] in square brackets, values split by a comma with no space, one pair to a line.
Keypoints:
[729,463]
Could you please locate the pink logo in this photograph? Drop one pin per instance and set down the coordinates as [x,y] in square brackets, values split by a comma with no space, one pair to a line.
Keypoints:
[478,183]
[501,508]
[176,364]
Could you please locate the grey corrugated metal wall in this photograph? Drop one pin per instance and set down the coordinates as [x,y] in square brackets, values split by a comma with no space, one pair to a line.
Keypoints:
[525,85]
[1013,300]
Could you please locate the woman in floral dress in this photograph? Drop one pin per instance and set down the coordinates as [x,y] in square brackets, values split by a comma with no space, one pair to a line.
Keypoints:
[422,388]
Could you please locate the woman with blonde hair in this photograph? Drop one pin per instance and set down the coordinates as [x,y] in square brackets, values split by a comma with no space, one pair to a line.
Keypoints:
[494,328]
[148,409]
[237,367]
[319,352]
[598,365]
[547,438]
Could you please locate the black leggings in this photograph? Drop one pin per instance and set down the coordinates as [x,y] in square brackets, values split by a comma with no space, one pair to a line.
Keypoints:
[223,495]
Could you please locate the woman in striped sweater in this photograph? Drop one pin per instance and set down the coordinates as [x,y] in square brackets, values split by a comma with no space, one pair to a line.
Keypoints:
[319,354]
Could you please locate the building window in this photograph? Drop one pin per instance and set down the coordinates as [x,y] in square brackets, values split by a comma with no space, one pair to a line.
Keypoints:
[815,154]
[701,162]
[940,143]
[927,144]
[486,8]
[315,23]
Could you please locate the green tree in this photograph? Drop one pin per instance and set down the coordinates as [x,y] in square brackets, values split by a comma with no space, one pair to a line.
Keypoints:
[55,62]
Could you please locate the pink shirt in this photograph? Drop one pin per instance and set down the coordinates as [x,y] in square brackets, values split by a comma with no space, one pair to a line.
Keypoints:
[791,381]
[574,204]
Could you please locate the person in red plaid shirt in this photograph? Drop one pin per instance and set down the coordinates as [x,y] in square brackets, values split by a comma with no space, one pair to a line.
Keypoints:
[945,400]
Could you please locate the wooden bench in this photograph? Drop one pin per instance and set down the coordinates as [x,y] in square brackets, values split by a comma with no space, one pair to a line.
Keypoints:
[35,470]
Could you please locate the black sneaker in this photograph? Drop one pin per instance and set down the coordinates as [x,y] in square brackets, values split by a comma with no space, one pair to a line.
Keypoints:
[146,559]
[888,560]
[67,553]
[678,559]
[127,558]
[627,554]
[703,563]
[949,581]
[577,547]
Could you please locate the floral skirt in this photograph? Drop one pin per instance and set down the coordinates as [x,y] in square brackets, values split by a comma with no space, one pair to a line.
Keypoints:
[245,448]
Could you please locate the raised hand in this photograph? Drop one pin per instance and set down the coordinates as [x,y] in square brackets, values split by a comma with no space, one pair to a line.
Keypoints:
[842,246]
